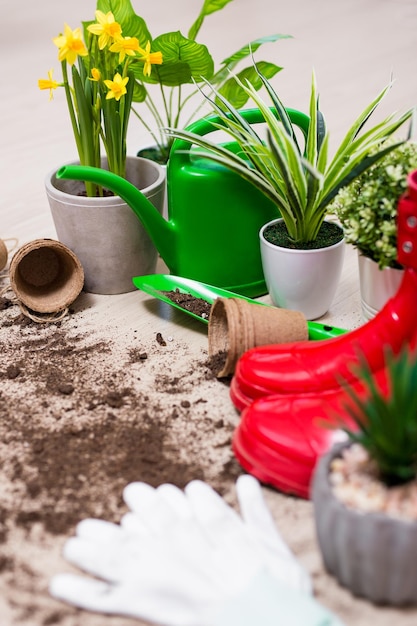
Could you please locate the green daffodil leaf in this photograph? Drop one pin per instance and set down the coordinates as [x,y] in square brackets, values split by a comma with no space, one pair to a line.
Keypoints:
[183,61]
[234,93]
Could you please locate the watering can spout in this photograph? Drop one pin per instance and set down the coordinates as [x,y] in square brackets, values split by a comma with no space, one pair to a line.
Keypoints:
[161,231]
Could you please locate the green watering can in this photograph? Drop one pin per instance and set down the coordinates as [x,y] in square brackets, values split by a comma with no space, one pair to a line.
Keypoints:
[214,216]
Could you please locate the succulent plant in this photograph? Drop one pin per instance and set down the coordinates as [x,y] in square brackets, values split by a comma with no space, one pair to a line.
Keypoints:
[386,420]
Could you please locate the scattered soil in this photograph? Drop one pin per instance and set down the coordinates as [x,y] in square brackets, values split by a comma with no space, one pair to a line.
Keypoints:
[105,193]
[88,405]
[81,416]
[198,306]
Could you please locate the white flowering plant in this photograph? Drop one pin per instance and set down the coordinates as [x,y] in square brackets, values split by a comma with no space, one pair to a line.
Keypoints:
[99,85]
[367,208]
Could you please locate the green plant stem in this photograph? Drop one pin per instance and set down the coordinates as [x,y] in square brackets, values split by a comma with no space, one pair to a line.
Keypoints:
[91,188]
[147,127]
[177,117]
[166,107]
[71,110]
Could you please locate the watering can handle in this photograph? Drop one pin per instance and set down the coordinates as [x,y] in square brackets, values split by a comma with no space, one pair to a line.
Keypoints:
[252,116]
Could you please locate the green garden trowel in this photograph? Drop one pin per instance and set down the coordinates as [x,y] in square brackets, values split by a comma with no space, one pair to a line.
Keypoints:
[157,285]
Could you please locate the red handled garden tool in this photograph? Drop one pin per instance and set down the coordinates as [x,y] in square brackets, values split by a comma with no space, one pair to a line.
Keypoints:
[287,390]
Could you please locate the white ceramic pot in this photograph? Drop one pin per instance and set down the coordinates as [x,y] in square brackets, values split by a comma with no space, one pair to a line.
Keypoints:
[302,280]
[105,233]
[376,286]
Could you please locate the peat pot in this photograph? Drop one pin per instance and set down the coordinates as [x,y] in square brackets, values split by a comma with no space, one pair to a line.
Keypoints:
[372,554]
[104,233]
[302,280]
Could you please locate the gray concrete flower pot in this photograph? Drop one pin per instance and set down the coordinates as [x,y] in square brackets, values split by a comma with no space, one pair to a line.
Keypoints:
[105,234]
[372,554]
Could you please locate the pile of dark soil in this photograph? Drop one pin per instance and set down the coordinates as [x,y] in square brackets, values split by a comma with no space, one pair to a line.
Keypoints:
[198,306]
[81,416]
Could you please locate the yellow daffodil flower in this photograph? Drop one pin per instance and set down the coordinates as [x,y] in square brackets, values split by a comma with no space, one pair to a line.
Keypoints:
[48,83]
[70,45]
[107,29]
[116,87]
[125,46]
[149,58]
[95,74]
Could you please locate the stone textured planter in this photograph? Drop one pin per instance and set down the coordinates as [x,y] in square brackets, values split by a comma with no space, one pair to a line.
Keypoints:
[104,233]
[371,554]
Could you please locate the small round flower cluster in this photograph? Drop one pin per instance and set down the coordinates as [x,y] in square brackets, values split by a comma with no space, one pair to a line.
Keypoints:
[367,208]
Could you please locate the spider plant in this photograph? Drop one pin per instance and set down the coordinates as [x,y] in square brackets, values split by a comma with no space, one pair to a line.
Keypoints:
[301,182]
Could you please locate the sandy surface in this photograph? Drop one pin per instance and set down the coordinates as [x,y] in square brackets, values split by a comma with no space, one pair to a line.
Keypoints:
[83,413]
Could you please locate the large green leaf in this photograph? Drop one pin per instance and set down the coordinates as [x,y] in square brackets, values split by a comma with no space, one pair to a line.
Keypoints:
[132,25]
[209,6]
[184,61]
[121,9]
[251,48]
[230,62]
[234,92]
[139,92]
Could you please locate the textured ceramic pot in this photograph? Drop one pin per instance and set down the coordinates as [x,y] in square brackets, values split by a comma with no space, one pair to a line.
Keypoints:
[371,554]
[376,286]
[301,280]
[105,233]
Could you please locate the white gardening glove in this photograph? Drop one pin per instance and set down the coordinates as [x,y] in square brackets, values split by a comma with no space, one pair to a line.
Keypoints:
[179,558]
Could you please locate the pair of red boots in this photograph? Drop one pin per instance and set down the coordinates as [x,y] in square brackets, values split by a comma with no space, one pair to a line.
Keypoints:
[292,397]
